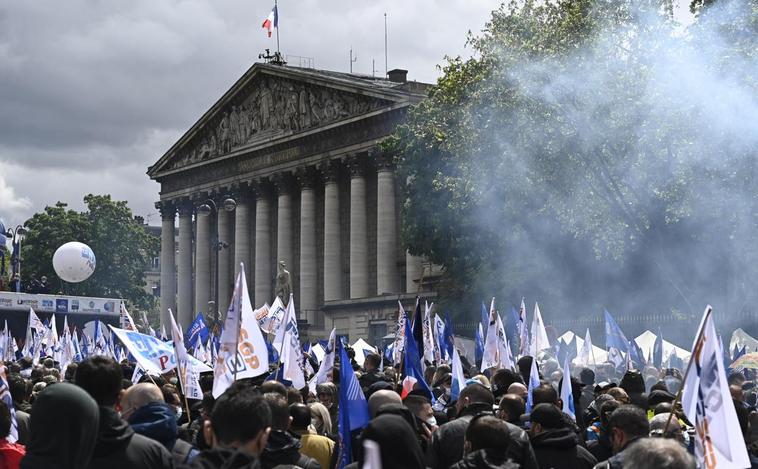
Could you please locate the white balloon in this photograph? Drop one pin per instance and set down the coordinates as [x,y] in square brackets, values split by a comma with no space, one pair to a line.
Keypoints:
[74,262]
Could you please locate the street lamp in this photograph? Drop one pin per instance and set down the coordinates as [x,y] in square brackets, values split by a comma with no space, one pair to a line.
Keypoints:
[14,234]
[204,210]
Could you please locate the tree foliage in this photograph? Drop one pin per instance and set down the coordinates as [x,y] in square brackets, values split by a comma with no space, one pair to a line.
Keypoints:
[593,153]
[122,246]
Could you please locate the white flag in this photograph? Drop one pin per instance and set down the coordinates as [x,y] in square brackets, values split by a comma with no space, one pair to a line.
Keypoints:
[490,357]
[188,378]
[242,351]
[126,319]
[428,335]
[539,336]
[523,330]
[270,317]
[292,355]
[327,364]
[399,345]
[567,396]
[440,348]
[708,404]
[505,357]
[586,353]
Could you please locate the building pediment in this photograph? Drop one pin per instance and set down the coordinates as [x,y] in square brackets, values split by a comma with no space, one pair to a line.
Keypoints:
[272,102]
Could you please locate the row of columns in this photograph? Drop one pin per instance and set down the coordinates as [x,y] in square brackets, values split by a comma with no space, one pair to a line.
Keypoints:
[387,276]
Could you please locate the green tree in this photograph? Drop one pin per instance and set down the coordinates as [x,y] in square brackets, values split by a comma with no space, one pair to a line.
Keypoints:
[587,151]
[122,246]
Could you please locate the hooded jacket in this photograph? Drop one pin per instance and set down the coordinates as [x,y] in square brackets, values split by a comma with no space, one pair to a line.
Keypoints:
[222,458]
[559,449]
[487,458]
[446,447]
[634,385]
[283,448]
[63,429]
[118,446]
[157,421]
[397,442]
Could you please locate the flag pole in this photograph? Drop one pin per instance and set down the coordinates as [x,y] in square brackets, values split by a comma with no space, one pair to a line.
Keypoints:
[693,357]
[276,17]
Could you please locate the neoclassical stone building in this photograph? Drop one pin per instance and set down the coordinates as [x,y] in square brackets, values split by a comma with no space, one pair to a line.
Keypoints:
[287,166]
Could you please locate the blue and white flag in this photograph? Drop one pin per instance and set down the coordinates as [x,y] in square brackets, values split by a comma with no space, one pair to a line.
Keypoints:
[490,357]
[485,319]
[567,395]
[399,343]
[5,396]
[478,344]
[196,332]
[503,348]
[708,404]
[189,378]
[534,382]
[327,364]
[539,340]
[440,350]
[523,330]
[353,408]
[658,350]
[125,319]
[413,376]
[448,338]
[293,362]
[101,344]
[459,380]
[615,341]
[428,333]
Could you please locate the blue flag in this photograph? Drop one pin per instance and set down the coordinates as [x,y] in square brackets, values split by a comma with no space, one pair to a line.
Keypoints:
[412,368]
[478,345]
[196,331]
[448,335]
[418,328]
[636,355]
[658,350]
[613,335]
[353,408]
[485,319]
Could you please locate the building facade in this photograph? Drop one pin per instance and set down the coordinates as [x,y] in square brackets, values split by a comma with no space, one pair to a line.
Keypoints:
[287,168]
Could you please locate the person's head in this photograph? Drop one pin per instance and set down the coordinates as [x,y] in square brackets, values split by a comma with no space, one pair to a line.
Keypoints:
[587,376]
[525,367]
[511,408]
[397,440]
[737,393]
[663,408]
[5,421]
[294,396]
[659,453]
[545,393]
[138,396]
[627,423]
[518,389]
[619,395]
[326,394]
[502,379]
[322,422]
[301,417]
[63,428]
[474,393]
[241,419]
[280,412]
[606,410]
[736,377]
[274,386]
[101,377]
[545,417]
[421,407]
[666,426]
[18,388]
[632,382]
[380,398]
[486,432]
[372,362]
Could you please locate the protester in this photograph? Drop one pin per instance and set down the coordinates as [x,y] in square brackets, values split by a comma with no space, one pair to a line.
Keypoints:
[322,422]
[600,445]
[312,445]
[556,445]
[282,448]
[372,373]
[627,425]
[485,447]
[143,407]
[10,453]
[398,445]
[64,429]
[511,408]
[658,453]
[118,446]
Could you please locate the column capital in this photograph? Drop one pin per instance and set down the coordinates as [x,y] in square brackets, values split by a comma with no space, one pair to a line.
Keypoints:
[282,182]
[356,166]
[261,187]
[306,177]
[382,160]
[185,207]
[241,191]
[330,171]
[167,209]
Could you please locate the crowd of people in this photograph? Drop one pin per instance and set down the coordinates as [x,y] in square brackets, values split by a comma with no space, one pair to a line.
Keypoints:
[93,416]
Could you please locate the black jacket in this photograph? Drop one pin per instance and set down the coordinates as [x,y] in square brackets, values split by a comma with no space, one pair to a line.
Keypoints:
[600,448]
[222,458]
[283,448]
[560,449]
[446,447]
[487,458]
[118,446]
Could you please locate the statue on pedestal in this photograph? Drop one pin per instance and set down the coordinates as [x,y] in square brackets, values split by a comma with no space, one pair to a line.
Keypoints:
[283,285]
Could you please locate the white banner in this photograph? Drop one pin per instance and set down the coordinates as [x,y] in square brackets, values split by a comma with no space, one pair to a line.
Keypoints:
[60,304]
[152,354]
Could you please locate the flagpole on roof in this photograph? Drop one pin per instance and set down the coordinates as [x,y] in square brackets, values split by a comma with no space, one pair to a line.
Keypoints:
[276,17]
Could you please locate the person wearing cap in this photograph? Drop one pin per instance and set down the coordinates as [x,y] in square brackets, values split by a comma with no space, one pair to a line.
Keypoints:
[555,445]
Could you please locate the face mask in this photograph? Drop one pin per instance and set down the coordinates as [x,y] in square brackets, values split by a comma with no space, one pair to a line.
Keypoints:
[431,421]
[178,411]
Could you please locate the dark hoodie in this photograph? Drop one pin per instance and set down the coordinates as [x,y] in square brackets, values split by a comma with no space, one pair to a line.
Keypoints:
[397,442]
[118,446]
[157,420]
[559,449]
[222,458]
[487,458]
[634,385]
[64,428]
[283,448]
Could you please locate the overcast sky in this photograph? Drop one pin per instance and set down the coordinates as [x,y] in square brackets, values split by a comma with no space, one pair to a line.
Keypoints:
[92,92]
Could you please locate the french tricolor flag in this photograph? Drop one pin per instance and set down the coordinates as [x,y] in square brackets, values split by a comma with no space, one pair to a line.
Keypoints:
[272,21]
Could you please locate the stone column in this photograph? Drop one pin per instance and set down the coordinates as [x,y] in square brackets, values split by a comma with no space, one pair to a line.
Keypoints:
[262,245]
[202,264]
[225,282]
[387,278]
[358,232]
[185,307]
[242,235]
[413,269]
[168,266]
[308,296]
[284,223]
[332,233]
